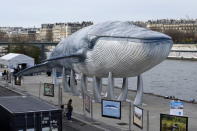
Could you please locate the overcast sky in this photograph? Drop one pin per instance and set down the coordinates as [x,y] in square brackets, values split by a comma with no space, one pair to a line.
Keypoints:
[29,13]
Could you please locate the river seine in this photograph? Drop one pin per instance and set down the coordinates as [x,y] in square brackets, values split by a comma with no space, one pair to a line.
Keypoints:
[170,78]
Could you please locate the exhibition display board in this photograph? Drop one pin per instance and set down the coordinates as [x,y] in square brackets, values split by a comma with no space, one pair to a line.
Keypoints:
[173,123]
[176,107]
[49,89]
[17,80]
[138,116]
[9,77]
[87,103]
[111,108]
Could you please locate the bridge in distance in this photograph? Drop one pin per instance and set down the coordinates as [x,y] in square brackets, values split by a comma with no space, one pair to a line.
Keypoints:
[42,46]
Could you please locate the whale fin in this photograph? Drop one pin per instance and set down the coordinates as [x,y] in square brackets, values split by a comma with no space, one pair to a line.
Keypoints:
[43,67]
[77,56]
[63,57]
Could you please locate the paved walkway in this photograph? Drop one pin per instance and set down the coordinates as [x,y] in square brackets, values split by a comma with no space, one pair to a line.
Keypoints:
[78,122]
[155,105]
[75,125]
[6,92]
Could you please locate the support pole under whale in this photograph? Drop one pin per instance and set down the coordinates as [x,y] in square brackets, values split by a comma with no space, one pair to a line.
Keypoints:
[97,85]
[54,76]
[139,94]
[110,89]
[73,85]
[124,90]
[64,81]
[83,84]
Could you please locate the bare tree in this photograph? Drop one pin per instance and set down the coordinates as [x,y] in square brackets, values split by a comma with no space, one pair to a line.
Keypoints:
[3,36]
[49,36]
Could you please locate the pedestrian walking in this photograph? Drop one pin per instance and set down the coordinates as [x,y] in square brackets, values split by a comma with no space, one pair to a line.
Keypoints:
[69,109]
[75,80]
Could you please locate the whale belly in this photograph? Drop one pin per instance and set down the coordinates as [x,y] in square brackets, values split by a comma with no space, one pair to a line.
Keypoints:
[124,58]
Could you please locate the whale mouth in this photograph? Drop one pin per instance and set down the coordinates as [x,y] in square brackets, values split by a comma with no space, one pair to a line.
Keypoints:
[136,39]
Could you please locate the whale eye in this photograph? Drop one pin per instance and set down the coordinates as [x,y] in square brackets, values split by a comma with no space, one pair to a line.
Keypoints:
[91,41]
[91,45]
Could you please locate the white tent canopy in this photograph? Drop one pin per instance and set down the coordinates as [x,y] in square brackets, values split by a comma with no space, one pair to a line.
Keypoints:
[13,59]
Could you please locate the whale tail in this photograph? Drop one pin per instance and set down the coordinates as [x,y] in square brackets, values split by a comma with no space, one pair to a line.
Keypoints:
[47,66]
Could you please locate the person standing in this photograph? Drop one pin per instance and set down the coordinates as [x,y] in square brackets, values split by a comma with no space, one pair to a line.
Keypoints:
[69,109]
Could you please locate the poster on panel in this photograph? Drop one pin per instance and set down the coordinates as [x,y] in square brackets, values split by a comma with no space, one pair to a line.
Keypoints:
[48,89]
[111,109]
[9,77]
[138,117]
[87,103]
[176,108]
[173,123]
[31,129]
[54,129]
[46,129]
[17,81]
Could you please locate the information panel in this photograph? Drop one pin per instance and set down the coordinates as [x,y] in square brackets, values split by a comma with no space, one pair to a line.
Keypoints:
[48,89]
[17,81]
[173,123]
[9,77]
[138,117]
[176,108]
[87,103]
[111,108]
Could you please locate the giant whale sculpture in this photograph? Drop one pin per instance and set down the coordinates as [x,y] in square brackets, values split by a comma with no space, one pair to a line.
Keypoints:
[109,49]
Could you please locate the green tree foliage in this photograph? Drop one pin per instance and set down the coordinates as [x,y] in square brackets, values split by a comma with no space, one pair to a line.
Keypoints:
[28,50]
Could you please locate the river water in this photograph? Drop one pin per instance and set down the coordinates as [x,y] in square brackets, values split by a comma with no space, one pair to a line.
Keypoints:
[170,78]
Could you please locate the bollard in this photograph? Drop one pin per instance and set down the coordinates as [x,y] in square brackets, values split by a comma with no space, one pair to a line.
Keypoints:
[91,109]
[147,120]
[39,89]
[83,104]
[130,116]
[12,81]
[59,95]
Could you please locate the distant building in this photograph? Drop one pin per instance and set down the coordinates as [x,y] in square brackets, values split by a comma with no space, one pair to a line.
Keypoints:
[56,32]
[139,23]
[186,26]
[62,30]
[25,34]
[3,50]
[45,33]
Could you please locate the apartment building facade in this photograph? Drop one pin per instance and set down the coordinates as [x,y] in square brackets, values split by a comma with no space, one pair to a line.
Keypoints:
[62,30]
[186,26]
[56,32]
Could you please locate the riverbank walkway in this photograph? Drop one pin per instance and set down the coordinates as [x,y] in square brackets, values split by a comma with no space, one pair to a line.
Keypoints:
[78,122]
[153,106]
